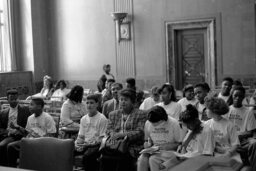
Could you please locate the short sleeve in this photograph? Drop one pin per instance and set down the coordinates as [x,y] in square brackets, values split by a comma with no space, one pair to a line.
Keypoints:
[209,143]
[250,122]
[177,131]
[233,136]
[146,130]
[81,130]
[28,126]
[65,113]
[103,125]
[178,110]
[50,125]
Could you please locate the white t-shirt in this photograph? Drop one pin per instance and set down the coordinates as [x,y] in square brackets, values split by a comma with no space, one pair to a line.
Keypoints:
[201,108]
[148,103]
[59,94]
[72,112]
[225,134]
[92,128]
[173,109]
[166,132]
[184,102]
[13,113]
[203,143]
[225,98]
[243,118]
[40,125]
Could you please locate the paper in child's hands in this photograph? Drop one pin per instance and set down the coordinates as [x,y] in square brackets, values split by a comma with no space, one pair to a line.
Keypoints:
[150,150]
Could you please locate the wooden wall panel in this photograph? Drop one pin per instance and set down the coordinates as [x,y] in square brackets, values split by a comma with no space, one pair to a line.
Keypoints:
[22,81]
[125,55]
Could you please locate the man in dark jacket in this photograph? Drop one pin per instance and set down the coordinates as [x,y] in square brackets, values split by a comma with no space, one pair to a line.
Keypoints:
[13,120]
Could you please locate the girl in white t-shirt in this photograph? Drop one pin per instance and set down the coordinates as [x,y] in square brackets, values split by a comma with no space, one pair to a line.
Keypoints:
[198,141]
[224,131]
[169,103]
[189,97]
[162,133]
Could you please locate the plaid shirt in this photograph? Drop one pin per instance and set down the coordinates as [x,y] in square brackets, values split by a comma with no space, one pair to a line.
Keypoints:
[133,128]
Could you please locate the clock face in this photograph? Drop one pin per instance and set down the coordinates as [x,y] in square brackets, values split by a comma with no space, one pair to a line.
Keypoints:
[125,31]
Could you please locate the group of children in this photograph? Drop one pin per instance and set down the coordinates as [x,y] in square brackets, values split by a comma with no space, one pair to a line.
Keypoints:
[201,123]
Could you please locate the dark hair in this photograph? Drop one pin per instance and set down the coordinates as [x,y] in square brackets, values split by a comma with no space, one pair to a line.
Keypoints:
[38,101]
[63,82]
[237,83]
[204,86]
[187,88]
[239,88]
[170,89]
[139,96]
[118,84]
[111,80]
[229,79]
[94,97]
[155,90]
[11,92]
[129,93]
[156,114]
[131,81]
[217,105]
[76,94]
[190,114]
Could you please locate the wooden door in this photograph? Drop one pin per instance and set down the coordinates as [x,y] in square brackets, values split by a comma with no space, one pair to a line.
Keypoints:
[190,60]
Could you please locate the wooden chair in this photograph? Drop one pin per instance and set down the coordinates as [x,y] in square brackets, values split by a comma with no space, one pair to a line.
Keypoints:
[47,154]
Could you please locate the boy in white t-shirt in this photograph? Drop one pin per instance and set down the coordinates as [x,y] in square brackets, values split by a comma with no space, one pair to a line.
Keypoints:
[201,91]
[242,117]
[245,123]
[226,86]
[92,130]
[39,124]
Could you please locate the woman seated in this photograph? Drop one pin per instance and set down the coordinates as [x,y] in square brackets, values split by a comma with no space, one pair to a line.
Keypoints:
[224,131]
[188,97]
[198,141]
[73,109]
[47,90]
[61,92]
[162,133]
[127,122]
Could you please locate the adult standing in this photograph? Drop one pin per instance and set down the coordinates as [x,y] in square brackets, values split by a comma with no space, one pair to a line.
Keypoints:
[107,75]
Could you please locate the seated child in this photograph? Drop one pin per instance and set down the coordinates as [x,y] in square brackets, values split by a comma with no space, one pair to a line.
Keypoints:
[92,130]
[198,141]
[39,124]
[162,133]
[188,97]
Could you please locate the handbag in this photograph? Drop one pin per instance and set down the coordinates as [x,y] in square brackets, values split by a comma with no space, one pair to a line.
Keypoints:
[113,146]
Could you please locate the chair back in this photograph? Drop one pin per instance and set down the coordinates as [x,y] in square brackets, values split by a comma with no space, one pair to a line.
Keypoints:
[47,154]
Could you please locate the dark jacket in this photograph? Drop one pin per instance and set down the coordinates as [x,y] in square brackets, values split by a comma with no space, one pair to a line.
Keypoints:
[108,107]
[22,117]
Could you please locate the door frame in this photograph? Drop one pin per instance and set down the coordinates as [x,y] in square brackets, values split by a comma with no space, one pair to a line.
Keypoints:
[171,29]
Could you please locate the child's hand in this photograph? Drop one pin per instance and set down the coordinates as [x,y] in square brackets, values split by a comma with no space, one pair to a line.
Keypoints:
[161,166]
[147,145]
